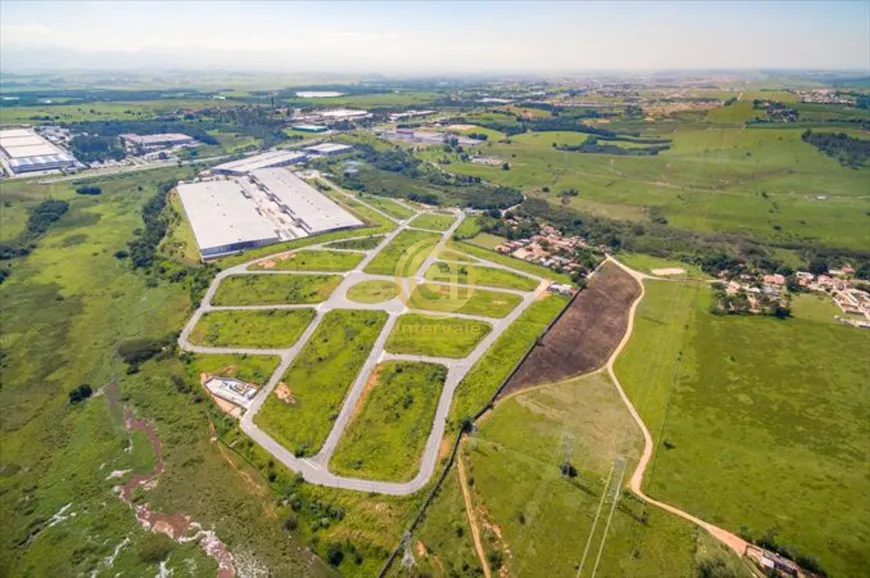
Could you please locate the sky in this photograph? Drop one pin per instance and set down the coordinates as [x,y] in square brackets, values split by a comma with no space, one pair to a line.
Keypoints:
[435,37]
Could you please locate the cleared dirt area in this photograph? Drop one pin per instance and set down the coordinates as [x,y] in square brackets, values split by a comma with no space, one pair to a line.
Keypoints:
[586,334]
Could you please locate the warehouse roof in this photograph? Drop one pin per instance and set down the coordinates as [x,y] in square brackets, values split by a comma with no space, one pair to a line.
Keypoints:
[18,143]
[306,203]
[261,161]
[152,139]
[329,147]
[220,215]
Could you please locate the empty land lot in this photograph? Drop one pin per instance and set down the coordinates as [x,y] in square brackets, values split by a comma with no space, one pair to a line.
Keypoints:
[275,289]
[466,300]
[586,334]
[300,412]
[357,244]
[310,261]
[373,291]
[436,336]
[385,437]
[478,275]
[433,222]
[274,328]
[394,256]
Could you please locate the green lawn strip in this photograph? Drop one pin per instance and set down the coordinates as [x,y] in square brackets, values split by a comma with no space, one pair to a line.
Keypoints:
[436,336]
[255,369]
[373,291]
[394,256]
[454,256]
[762,436]
[465,300]
[273,328]
[433,222]
[815,307]
[319,379]
[508,261]
[499,360]
[310,261]
[486,240]
[479,276]
[582,422]
[358,244]
[385,439]
[275,289]
[468,228]
[391,208]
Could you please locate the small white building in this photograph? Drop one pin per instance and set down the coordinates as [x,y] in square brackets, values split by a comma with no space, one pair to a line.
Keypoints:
[232,390]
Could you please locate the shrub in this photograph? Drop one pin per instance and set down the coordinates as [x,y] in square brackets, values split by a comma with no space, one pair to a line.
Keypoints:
[81,393]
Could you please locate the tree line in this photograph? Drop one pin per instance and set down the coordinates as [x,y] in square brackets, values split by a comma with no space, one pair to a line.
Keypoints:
[849,152]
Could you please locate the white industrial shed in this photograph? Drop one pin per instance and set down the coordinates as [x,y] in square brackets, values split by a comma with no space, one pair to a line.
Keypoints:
[25,151]
[329,149]
[260,161]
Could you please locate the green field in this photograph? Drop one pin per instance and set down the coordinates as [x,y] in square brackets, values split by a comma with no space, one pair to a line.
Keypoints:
[526,441]
[373,291]
[461,299]
[392,208]
[319,378]
[254,369]
[454,256]
[310,261]
[487,241]
[436,336]
[275,289]
[434,221]
[385,438]
[357,244]
[765,421]
[404,254]
[479,276]
[815,307]
[275,328]
[646,264]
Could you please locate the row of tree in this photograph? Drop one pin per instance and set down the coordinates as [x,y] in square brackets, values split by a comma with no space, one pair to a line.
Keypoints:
[849,151]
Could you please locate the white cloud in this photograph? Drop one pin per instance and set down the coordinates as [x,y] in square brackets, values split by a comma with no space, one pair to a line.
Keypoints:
[31,33]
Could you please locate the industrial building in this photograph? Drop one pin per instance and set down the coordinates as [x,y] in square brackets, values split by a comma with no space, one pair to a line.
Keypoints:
[310,128]
[329,149]
[158,141]
[344,114]
[24,151]
[410,114]
[266,206]
[264,160]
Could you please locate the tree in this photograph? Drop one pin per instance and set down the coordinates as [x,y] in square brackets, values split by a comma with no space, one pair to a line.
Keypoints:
[505,167]
[818,266]
[79,394]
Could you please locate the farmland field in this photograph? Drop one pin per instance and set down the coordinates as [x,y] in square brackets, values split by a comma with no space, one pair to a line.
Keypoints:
[478,275]
[275,328]
[384,439]
[309,261]
[434,222]
[586,334]
[396,254]
[275,289]
[319,378]
[436,336]
[466,300]
[760,438]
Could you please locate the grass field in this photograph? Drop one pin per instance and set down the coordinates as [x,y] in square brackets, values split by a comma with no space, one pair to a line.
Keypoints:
[509,261]
[526,440]
[310,261]
[319,378]
[275,328]
[392,208]
[384,439]
[465,300]
[646,264]
[434,222]
[499,360]
[179,242]
[760,439]
[357,244]
[254,369]
[404,254]
[479,276]
[436,336]
[275,289]
[815,307]
[486,240]
[373,291]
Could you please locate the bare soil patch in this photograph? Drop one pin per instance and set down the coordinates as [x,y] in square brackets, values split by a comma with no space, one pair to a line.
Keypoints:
[284,393]
[669,271]
[586,334]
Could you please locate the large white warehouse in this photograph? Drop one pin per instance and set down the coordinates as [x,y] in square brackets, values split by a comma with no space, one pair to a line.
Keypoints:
[23,151]
[266,206]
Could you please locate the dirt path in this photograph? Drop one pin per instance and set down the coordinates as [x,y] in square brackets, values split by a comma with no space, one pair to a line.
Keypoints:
[472,521]
[737,544]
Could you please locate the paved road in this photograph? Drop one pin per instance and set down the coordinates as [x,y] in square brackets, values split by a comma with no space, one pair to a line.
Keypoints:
[314,469]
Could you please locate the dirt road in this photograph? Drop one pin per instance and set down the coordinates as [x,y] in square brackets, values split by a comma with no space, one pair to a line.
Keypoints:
[472,519]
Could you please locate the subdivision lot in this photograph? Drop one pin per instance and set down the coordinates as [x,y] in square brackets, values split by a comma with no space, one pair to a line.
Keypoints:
[275,289]
[309,261]
[300,411]
[586,334]
[479,276]
[396,259]
[391,208]
[815,307]
[759,424]
[508,261]
[254,369]
[357,244]
[436,336]
[528,440]
[385,438]
[433,222]
[373,291]
[459,299]
[270,329]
